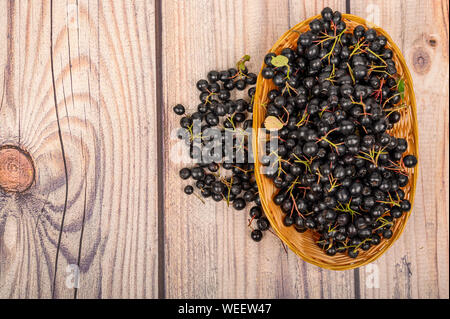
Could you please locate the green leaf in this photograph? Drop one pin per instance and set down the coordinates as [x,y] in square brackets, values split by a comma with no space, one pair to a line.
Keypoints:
[241,63]
[401,87]
[279,61]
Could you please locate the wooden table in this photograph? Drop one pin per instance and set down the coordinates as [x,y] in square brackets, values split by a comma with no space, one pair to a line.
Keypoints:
[87,88]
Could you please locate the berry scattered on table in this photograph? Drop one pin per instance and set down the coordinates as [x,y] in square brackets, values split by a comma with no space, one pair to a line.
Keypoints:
[223,108]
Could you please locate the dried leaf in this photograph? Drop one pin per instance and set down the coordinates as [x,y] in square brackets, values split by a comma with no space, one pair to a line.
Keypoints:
[272,123]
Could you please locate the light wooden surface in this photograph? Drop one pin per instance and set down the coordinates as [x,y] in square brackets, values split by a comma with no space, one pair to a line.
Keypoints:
[79,95]
[417,265]
[79,90]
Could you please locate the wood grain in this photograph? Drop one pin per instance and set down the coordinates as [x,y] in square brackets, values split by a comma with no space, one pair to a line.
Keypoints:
[417,265]
[78,92]
[79,97]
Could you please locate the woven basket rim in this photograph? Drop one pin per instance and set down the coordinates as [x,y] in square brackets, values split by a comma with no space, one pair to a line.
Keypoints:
[255,140]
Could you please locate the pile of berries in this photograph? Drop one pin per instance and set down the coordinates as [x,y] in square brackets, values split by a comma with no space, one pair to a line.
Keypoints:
[339,172]
[218,136]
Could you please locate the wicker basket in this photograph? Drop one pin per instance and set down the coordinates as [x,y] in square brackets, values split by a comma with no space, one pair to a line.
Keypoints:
[303,244]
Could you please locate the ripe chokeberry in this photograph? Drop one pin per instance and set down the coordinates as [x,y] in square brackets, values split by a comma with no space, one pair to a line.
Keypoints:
[410,161]
[179,109]
[256,235]
[186,122]
[255,212]
[213,76]
[189,190]
[268,73]
[240,84]
[185,173]
[239,204]
[202,85]
[263,223]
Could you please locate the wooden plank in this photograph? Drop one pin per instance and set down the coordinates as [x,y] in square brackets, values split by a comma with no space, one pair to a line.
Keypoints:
[208,250]
[28,224]
[79,97]
[417,265]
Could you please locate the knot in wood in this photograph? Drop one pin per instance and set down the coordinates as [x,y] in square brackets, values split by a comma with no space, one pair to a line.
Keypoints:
[17,171]
[421,60]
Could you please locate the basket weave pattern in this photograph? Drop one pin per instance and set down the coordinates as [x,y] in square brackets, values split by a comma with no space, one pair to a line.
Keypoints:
[303,244]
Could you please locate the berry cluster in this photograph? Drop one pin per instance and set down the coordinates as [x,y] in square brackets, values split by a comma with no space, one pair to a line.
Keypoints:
[338,170]
[228,174]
